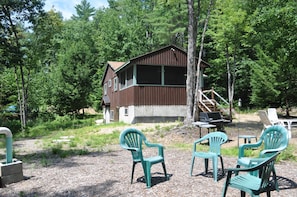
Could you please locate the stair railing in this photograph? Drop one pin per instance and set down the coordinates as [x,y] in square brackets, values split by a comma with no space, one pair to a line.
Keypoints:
[204,97]
[213,99]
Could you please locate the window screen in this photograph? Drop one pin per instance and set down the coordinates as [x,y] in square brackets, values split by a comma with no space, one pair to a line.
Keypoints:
[148,74]
[175,75]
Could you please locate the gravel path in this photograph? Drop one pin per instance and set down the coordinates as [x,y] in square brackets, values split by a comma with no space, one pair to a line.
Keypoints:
[108,174]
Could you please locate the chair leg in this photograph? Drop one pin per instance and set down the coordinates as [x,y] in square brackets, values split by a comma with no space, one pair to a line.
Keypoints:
[242,194]
[206,165]
[164,168]
[193,160]
[226,184]
[225,190]
[222,163]
[237,166]
[215,168]
[133,168]
[148,175]
[275,180]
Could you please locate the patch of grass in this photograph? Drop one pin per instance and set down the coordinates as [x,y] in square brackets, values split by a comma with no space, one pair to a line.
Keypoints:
[182,146]
[98,141]
[288,154]
[58,150]
[44,160]
[230,151]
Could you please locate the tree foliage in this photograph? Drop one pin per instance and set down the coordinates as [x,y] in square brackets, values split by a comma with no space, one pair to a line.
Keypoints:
[50,63]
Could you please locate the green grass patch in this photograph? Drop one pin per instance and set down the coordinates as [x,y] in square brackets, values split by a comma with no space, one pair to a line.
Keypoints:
[182,146]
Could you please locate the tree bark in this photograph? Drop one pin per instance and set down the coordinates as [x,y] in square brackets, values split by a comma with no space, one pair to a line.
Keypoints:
[22,97]
[192,31]
[197,95]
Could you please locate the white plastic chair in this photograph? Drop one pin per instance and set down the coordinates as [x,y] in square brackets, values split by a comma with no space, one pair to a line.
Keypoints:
[273,117]
[264,119]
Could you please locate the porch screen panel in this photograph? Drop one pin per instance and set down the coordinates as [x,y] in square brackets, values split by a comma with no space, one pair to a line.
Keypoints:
[130,76]
[149,74]
[175,75]
[122,80]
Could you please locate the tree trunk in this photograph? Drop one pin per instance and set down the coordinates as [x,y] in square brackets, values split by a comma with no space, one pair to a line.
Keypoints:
[21,96]
[192,29]
[231,81]
[197,95]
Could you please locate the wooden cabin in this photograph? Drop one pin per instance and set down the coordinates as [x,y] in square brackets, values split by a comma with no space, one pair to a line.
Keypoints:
[148,88]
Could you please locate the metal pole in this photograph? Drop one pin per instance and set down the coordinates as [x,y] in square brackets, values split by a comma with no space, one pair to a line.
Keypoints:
[7,132]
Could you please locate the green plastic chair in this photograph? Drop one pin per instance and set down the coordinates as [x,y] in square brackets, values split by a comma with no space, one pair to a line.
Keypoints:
[215,140]
[132,139]
[253,185]
[274,138]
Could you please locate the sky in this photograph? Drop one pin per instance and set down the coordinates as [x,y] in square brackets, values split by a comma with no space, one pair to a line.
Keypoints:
[66,7]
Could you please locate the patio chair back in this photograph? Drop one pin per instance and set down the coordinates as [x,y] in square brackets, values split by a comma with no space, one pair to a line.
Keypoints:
[253,185]
[132,140]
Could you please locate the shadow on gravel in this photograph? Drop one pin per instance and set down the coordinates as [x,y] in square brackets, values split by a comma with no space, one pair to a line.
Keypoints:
[285,183]
[209,174]
[103,189]
[157,178]
[48,158]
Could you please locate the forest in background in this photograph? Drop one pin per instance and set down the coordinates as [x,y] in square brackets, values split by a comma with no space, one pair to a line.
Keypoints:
[50,66]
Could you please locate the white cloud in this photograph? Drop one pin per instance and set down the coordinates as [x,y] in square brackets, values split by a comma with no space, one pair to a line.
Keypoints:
[66,7]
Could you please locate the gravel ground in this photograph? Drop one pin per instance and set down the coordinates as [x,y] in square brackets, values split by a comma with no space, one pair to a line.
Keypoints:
[107,173]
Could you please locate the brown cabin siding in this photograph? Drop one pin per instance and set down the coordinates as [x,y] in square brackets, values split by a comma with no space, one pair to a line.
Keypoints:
[166,57]
[112,95]
[153,95]
[126,97]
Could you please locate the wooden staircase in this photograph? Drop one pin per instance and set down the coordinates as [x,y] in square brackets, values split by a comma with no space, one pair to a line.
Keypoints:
[211,101]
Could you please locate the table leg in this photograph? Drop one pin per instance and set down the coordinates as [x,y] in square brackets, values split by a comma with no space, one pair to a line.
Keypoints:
[289,128]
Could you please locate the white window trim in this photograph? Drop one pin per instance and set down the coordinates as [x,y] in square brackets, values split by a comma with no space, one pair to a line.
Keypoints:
[105,89]
[115,84]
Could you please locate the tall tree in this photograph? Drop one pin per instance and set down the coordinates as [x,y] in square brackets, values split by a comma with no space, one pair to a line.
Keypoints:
[77,64]
[43,49]
[198,74]
[14,15]
[274,23]
[84,11]
[191,71]
[229,28]
[126,37]
[166,23]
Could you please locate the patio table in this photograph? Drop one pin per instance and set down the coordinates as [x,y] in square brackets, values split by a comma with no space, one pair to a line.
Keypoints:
[204,125]
[289,123]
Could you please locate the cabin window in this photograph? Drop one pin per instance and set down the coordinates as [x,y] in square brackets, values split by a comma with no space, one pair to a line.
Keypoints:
[115,84]
[129,76]
[122,80]
[175,75]
[105,89]
[126,111]
[149,74]
[126,78]
[109,83]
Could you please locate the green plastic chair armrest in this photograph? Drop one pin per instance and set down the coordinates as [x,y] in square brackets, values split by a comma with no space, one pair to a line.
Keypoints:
[259,162]
[129,148]
[153,145]
[148,144]
[247,146]
[268,152]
